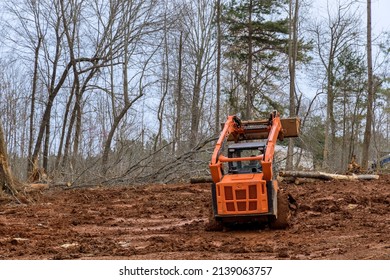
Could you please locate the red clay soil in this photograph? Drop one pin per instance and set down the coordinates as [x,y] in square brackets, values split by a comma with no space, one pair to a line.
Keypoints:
[335,220]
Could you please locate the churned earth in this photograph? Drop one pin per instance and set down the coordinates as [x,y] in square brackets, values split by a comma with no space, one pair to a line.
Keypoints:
[334,220]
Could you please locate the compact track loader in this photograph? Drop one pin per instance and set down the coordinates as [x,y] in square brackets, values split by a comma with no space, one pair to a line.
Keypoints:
[244,188]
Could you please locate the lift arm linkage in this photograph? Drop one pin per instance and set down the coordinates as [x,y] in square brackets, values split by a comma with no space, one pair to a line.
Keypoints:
[237,131]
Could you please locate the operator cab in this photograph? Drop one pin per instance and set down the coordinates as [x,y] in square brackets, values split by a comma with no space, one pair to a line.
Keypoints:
[249,149]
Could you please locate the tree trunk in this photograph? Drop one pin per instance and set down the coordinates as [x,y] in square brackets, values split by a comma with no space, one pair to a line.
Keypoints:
[327,176]
[53,91]
[177,140]
[293,38]
[164,89]
[45,162]
[195,114]
[248,108]
[63,129]
[7,180]
[219,42]
[370,97]
[65,159]
[330,126]
[343,161]
[32,110]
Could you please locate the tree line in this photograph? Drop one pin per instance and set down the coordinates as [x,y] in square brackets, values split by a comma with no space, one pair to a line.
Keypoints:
[97,91]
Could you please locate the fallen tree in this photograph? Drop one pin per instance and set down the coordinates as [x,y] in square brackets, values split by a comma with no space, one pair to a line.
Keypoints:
[300,177]
[326,176]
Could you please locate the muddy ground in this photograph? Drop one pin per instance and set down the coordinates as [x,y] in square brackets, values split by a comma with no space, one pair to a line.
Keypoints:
[335,220]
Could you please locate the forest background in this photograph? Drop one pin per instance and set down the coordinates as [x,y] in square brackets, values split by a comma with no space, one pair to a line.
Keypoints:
[106,92]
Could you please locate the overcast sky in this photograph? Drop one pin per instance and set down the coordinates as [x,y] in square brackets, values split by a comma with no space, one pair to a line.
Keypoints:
[381,15]
[380,11]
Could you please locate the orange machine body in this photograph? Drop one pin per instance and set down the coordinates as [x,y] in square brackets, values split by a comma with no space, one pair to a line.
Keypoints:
[243,190]
[239,194]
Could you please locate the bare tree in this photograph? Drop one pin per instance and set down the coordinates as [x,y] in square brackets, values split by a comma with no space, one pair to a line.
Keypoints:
[179,98]
[198,22]
[30,36]
[34,87]
[139,21]
[333,35]
[165,81]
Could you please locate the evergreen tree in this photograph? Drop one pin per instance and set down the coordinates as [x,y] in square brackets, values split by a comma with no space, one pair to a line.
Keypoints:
[257,33]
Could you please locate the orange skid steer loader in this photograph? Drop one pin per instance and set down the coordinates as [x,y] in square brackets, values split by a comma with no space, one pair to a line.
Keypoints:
[244,189]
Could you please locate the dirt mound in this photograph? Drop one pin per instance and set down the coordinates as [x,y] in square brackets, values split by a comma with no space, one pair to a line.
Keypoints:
[334,220]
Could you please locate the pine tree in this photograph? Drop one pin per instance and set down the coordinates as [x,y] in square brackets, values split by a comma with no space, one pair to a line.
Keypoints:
[257,34]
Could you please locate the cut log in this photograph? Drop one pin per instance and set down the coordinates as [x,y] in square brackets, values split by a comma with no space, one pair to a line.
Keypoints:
[367,177]
[200,180]
[301,180]
[327,176]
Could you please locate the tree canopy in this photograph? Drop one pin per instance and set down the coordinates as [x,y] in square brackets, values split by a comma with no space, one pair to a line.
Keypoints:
[100,91]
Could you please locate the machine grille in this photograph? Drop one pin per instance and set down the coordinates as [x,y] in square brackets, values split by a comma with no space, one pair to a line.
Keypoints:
[241,199]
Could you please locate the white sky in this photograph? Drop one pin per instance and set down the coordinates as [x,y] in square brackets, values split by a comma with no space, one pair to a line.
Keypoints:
[380,11]
[380,22]
[380,15]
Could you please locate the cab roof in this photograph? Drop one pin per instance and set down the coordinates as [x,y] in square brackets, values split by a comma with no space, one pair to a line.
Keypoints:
[247,145]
